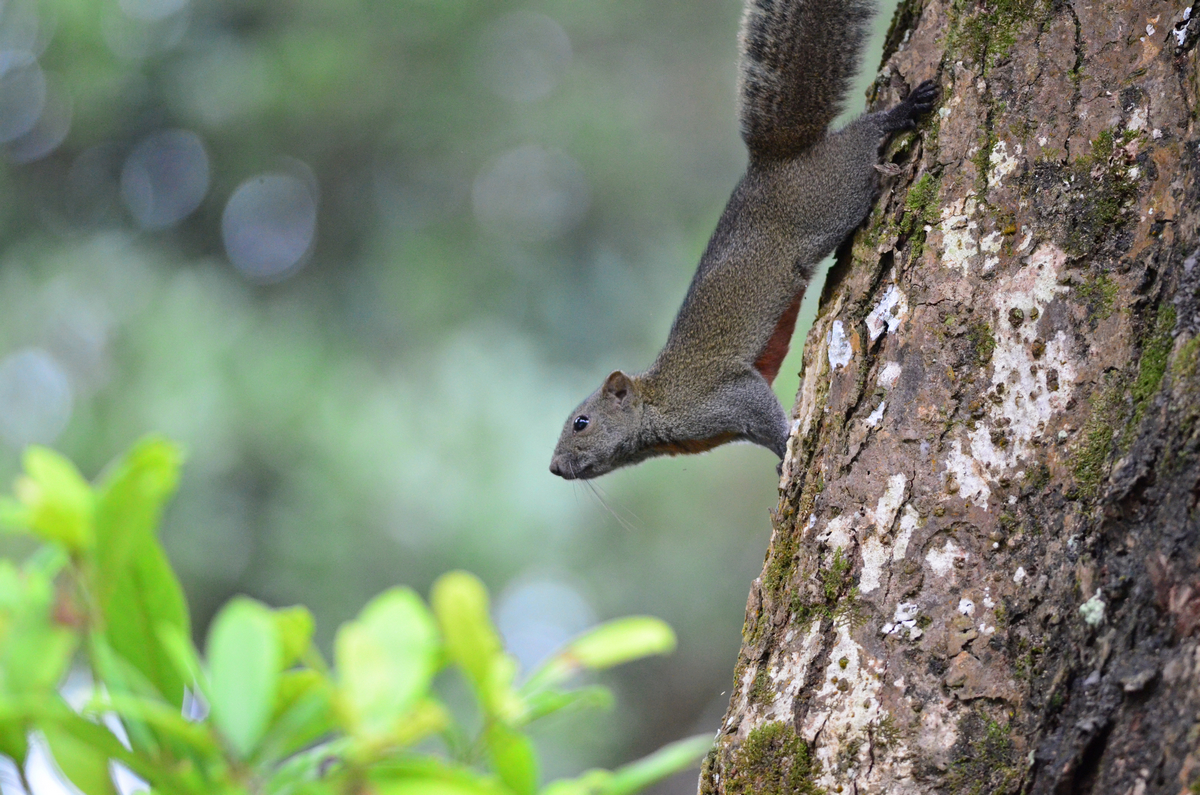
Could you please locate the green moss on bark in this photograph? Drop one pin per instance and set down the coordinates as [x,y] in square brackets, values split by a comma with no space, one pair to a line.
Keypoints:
[773,761]
[1090,462]
[920,209]
[987,34]
[985,762]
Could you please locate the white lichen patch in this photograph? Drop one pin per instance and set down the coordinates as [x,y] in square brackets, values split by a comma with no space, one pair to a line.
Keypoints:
[844,711]
[876,416]
[889,503]
[1093,610]
[990,246]
[938,734]
[1137,119]
[943,560]
[836,534]
[889,375]
[787,670]
[887,314]
[965,477]
[874,555]
[1002,163]
[1032,377]
[1026,240]
[966,607]
[1019,575]
[908,523]
[840,350]
[959,233]
[876,551]
[904,621]
[807,399]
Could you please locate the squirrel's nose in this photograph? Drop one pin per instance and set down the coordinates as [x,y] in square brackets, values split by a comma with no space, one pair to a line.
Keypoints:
[555,469]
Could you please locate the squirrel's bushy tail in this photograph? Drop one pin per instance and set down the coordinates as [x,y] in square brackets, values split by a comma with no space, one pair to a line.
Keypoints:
[798,58]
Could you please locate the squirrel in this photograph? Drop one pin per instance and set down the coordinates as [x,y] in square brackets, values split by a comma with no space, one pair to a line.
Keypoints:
[804,191]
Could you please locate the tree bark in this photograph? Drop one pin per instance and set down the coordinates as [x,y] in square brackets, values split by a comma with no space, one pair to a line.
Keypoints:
[984,575]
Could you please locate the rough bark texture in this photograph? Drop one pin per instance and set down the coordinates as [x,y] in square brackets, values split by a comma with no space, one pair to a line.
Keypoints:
[984,570]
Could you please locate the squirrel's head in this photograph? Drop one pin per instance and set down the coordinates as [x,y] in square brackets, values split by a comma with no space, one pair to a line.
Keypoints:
[601,433]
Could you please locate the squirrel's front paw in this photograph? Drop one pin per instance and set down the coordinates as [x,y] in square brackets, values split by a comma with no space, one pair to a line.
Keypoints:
[918,102]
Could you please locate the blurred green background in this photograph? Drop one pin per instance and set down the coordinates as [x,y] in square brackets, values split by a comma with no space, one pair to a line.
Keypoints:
[362,258]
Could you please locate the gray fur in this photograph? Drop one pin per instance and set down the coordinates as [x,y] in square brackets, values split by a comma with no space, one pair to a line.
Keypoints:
[798,58]
[788,212]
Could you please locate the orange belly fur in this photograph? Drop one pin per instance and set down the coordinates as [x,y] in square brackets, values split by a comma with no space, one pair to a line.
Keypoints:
[771,358]
[688,446]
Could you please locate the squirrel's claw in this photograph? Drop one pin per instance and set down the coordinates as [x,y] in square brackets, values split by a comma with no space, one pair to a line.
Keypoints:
[921,98]
[918,102]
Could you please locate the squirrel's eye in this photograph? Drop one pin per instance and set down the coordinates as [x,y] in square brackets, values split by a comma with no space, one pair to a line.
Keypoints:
[580,423]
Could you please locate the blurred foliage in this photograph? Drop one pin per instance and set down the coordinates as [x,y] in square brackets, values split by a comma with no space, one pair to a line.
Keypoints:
[510,199]
[263,694]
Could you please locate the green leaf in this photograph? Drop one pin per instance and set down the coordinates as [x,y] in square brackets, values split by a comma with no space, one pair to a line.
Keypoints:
[45,562]
[426,717]
[58,503]
[35,649]
[148,597]
[120,677]
[547,702]
[84,765]
[513,758]
[590,783]
[385,660]
[244,651]
[295,685]
[612,643]
[427,786]
[302,768]
[428,776]
[14,742]
[666,761]
[460,602]
[55,712]
[196,737]
[130,500]
[182,654]
[636,776]
[13,515]
[134,583]
[302,713]
[295,625]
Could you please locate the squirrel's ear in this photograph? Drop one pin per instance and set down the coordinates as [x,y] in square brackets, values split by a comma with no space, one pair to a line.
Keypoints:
[619,386]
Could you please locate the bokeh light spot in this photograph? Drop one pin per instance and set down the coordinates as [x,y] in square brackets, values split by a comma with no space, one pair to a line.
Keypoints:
[35,398]
[538,616]
[19,28]
[47,133]
[269,225]
[152,10]
[136,37]
[522,56]
[165,178]
[22,94]
[531,193]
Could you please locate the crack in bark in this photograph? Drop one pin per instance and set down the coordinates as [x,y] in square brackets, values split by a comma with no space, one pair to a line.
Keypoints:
[1076,80]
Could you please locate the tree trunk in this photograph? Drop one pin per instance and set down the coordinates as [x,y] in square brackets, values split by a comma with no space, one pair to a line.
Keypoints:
[984,570]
